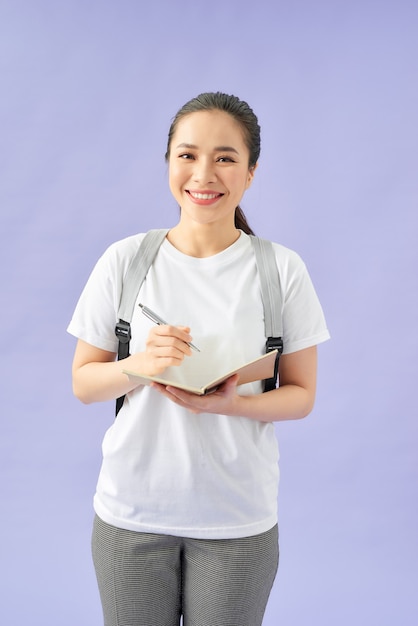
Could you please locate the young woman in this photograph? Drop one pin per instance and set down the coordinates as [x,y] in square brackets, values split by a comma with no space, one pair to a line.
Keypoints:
[186,501]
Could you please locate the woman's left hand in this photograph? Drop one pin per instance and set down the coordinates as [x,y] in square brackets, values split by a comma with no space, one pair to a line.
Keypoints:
[221,401]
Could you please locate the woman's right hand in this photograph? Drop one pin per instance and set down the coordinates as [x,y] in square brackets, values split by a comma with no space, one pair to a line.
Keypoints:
[97,376]
[166,346]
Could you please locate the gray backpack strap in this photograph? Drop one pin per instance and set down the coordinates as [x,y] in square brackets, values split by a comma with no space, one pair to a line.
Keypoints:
[135,275]
[272,301]
[137,270]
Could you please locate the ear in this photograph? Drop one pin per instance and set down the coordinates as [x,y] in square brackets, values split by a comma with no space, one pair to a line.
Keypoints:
[250,176]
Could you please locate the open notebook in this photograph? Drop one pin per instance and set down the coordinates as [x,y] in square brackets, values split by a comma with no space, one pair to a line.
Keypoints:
[258,369]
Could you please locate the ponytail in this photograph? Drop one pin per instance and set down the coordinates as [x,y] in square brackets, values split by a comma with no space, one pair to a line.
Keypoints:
[241,222]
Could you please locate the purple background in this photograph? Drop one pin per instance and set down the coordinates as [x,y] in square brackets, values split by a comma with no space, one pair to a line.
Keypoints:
[88,92]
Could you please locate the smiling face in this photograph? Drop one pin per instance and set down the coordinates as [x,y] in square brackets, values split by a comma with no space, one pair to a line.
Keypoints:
[208,167]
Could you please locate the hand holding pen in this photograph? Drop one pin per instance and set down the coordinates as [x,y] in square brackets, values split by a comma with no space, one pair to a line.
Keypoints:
[158,320]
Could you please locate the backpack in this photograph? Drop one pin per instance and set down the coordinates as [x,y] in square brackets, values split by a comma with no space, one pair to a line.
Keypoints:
[270,293]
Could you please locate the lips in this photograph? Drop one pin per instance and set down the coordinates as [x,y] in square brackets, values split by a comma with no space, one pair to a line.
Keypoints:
[204,197]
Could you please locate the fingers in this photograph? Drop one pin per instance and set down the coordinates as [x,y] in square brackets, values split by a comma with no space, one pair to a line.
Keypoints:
[169,341]
[222,401]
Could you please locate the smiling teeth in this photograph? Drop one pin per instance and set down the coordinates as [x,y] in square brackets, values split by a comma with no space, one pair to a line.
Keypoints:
[204,196]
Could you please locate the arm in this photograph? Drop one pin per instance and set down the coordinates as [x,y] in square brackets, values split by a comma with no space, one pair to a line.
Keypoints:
[97,376]
[294,398]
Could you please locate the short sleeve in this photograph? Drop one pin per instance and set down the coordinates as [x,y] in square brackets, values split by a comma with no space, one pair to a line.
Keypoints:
[304,323]
[95,315]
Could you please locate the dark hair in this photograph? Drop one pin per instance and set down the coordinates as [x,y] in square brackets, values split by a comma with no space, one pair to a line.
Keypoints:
[242,114]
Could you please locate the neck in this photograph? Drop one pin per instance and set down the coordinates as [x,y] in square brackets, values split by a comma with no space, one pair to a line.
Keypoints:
[202,241]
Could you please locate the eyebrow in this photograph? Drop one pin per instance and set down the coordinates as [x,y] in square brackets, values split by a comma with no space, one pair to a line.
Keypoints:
[191,146]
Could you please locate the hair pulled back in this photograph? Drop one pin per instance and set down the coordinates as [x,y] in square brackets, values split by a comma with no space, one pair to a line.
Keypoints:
[246,118]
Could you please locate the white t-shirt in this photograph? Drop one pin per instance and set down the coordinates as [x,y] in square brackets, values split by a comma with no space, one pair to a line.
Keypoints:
[164,469]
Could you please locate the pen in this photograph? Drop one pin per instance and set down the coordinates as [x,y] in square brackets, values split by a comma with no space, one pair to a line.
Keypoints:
[158,320]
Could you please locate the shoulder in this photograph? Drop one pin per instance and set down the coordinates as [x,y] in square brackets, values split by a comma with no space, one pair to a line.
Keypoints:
[287,255]
[288,261]
[118,255]
[291,266]
[293,275]
[124,247]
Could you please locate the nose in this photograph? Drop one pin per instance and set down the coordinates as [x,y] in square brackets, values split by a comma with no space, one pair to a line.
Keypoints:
[204,171]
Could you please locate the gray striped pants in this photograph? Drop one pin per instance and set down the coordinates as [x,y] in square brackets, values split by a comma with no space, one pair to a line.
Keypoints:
[152,580]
